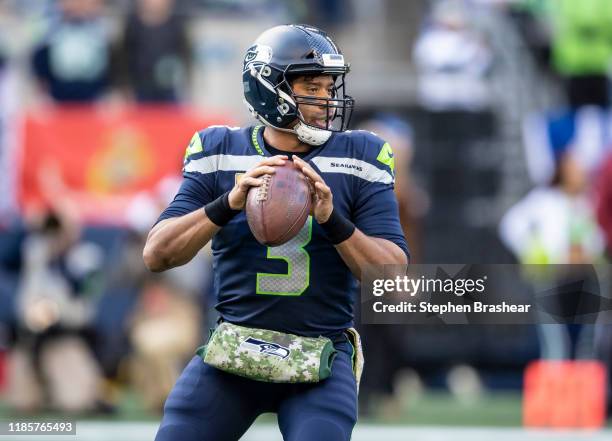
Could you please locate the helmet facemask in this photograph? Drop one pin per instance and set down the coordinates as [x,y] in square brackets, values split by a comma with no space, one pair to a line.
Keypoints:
[338,108]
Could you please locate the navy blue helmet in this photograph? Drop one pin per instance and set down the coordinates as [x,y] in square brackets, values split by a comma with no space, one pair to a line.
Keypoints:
[281,54]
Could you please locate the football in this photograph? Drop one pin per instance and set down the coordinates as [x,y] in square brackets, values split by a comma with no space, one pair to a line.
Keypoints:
[277,210]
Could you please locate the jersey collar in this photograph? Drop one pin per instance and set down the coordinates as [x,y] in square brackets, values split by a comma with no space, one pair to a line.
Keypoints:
[258,143]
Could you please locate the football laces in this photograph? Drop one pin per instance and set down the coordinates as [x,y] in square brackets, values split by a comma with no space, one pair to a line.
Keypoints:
[263,189]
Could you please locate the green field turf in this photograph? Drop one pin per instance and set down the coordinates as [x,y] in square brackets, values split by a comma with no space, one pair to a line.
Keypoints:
[431,417]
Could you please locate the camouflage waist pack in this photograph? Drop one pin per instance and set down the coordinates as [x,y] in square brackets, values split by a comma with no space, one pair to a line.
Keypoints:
[265,355]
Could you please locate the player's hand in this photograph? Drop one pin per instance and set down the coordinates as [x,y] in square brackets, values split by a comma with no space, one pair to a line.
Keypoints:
[322,203]
[238,195]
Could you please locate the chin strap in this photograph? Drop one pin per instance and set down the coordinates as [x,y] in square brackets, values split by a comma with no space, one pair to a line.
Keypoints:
[305,133]
[311,135]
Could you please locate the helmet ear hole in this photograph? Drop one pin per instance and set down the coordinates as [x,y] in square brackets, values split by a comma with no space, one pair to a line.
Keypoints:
[283,108]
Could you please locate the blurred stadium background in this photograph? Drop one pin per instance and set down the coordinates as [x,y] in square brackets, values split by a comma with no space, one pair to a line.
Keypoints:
[498,114]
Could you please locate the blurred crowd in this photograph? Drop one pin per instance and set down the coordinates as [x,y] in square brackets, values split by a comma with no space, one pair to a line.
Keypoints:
[559,213]
[81,315]
[79,56]
[481,177]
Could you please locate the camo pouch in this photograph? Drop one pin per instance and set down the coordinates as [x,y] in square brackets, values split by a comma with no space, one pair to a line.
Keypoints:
[270,356]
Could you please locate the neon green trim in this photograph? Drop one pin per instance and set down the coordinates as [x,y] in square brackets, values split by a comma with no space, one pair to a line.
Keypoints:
[289,267]
[195,145]
[386,156]
[254,140]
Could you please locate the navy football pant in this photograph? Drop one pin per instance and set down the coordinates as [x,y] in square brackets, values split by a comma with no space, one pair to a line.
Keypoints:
[207,404]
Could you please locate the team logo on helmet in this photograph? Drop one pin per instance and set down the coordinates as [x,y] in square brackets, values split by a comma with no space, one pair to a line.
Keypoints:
[258,53]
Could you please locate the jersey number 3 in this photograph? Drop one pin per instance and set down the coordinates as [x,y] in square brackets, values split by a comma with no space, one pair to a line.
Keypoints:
[297,278]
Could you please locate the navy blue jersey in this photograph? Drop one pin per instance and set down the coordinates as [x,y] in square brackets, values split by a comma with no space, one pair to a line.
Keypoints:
[303,286]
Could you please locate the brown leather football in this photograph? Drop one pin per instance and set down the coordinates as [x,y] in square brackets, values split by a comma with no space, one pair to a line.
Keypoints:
[277,210]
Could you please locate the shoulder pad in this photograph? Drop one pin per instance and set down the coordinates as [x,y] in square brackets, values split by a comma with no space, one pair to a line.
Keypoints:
[375,150]
[361,154]
[207,142]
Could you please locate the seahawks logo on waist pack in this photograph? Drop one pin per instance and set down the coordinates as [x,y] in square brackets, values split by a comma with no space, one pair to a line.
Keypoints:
[265,347]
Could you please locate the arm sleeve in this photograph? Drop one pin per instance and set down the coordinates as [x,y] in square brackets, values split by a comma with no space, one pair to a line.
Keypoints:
[376,214]
[192,195]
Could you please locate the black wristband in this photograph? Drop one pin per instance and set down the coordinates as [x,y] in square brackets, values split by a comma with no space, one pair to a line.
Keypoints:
[219,210]
[338,228]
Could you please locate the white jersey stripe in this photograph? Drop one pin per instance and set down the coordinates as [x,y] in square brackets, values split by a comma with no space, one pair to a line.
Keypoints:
[211,164]
[350,166]
[355,167]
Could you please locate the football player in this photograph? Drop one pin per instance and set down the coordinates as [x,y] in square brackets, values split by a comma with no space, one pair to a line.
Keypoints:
[294,84]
